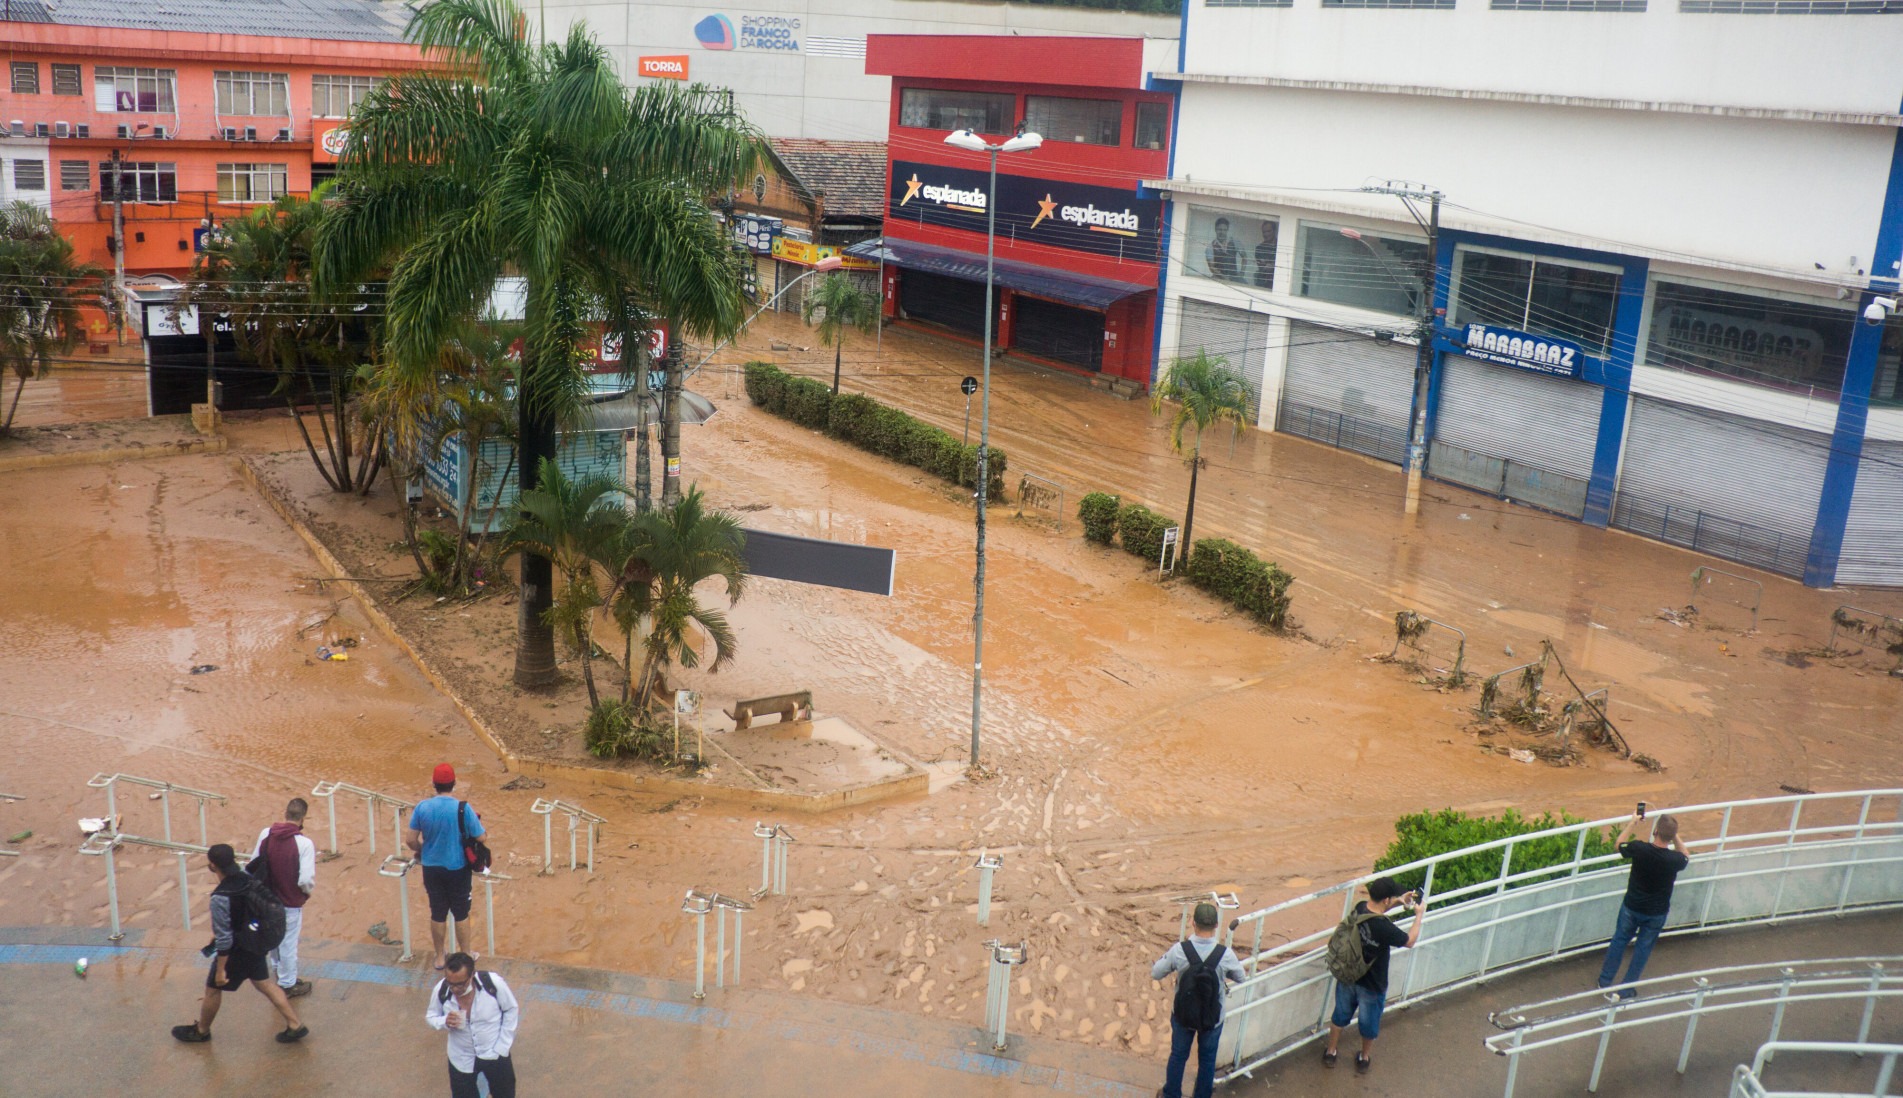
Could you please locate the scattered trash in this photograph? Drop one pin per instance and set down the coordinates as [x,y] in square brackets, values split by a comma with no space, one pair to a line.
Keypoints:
[381,932]
[1508,650]
[1649,763]
[344,642]
[1798,790]
[1464,516]
[79,968]
[1520,756]
[204,669]
[523,781]
[1682,618]
[21,837]
[334,655]
[92,825]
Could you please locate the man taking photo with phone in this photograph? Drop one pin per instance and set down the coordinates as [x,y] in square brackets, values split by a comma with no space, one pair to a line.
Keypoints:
[1656,865]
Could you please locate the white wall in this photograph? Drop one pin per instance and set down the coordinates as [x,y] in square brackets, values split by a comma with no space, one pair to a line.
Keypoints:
[797,94]
[1812,62]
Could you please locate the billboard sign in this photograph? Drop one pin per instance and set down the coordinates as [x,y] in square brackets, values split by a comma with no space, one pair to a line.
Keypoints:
[1080,216]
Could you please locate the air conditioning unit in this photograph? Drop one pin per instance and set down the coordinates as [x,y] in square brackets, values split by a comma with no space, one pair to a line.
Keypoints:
[61,129]
[125,131]
[284,133]
[229,133]
[41,129]
[83,130]
[18,128]
[160,132]
[250,133]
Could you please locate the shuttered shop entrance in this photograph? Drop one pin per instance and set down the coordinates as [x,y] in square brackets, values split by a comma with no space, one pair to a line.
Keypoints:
[952,302]
[1063,333]
[1513,433]
[1873,538]
[1733,487]
[1239,337]
[1348,391]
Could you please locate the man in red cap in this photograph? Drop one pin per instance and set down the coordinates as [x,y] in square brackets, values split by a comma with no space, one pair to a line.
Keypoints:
[438,828]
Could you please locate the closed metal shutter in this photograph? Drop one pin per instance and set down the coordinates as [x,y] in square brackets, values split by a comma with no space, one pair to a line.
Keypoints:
[1348,391]
[1064,333]
[1513,433]
[787,283]
[1733,487]
[1873,538]
[1239,337]
[952,302]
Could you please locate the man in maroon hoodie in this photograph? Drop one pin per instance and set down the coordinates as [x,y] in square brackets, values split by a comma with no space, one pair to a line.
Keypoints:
[292,859]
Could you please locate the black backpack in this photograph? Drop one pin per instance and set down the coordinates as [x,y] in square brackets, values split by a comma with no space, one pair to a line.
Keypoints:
[482,981]
[257,917]
[1199,990]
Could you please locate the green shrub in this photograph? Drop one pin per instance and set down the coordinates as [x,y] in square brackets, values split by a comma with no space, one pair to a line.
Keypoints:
[1098,510]
[1142,531]
[1425,834]
[763,385]
[1240,578]
[614,730]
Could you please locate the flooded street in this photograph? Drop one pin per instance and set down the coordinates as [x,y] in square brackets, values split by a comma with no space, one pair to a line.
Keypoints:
[1141,742]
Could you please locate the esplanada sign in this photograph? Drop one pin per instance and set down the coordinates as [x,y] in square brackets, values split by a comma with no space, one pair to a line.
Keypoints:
[1079,216]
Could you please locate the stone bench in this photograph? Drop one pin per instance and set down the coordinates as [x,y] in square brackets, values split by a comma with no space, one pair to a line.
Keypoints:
[795,706]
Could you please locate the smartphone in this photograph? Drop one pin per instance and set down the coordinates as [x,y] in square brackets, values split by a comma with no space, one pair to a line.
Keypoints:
[1641,810]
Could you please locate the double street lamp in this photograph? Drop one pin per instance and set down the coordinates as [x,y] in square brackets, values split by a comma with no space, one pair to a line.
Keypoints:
[971,142]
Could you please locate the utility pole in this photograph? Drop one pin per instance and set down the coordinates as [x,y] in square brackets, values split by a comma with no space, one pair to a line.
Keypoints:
[118,246]
[1409,193]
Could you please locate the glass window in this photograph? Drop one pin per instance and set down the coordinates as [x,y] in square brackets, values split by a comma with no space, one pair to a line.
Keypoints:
[146,91]
[26,78]
[932,109]
[1231,247]
[1364,269]
[1540,296]
[74,176]
[29,175]
[251,182]
[338,96]
[144,181]
[66,80]
[253,93]
[1153,125]
[1888,389]
[1085,121]
[1779,343]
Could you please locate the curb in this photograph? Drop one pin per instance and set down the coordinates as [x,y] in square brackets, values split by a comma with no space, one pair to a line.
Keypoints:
[215,445]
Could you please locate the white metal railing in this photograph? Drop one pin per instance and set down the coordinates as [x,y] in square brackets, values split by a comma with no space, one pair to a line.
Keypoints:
[372,801]
[1753,861]
[1689,997]
[1747,1082]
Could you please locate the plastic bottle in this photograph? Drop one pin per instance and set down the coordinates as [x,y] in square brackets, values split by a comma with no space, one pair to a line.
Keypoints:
[79,967]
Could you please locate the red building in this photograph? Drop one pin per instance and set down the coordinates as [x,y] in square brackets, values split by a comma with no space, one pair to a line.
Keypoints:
[1078,246]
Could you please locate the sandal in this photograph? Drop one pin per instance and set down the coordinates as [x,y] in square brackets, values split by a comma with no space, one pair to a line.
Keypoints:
[1329,1056]
[1362,1064]
[190,1034]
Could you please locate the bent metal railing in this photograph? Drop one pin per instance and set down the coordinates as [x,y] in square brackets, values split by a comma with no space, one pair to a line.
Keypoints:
[1753,861]
[1747,1082]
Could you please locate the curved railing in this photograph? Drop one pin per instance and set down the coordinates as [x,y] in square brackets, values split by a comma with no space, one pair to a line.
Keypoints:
[1753,861]
[1747,1081]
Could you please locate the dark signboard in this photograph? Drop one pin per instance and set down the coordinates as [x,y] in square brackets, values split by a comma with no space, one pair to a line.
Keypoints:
[822,563]
[1100,220]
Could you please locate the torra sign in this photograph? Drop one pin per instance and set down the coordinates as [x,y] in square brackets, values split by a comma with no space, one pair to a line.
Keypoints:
[664,68]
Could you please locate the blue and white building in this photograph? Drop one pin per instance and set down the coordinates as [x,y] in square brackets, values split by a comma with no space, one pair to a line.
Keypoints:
[1663,225]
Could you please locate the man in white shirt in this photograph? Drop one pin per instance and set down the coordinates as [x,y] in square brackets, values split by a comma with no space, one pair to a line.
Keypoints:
[479,1012]
[292,861]
[1203,981]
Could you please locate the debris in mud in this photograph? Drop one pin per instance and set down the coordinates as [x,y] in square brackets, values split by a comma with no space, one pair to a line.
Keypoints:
[523,781]
[380,932]
[1796,790]
[1520,755]
[204,669]
[1683,618]
[20,837]
[1649,763]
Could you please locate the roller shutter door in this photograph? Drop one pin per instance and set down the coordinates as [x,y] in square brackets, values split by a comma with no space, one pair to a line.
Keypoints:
[952,302]
[1517,434]
[1873,538]
[1062,333]
[1239,337]
[1733,487]
[1348,391]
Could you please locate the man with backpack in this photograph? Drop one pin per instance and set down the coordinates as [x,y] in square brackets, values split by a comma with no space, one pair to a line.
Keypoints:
[444,833]
[479,1012]
[247,923]
[1358,960]
[1205,968]
[288,860]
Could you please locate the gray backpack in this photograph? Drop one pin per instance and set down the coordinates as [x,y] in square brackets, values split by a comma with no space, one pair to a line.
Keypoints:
[1347,960]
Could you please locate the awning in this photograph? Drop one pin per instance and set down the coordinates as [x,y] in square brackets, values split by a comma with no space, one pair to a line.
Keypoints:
[1075,289]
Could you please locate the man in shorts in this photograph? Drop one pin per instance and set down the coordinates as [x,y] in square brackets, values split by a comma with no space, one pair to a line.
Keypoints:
[232,967]
[1362,1001]
[437,827]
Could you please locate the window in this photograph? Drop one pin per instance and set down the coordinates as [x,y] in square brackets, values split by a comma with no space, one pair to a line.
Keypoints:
[1231,247]
[1363,269]
[1086,121]
[253,93]
[1248,3]
[932,109]
[74,176]
[144,181]
[1791,7]
[1540,296]
[1568,5]
[1153,125]
[29,175]
[1444,5]
[251,182]
[26,78]
[1779,343]
[146,91]
[338,96]
[66,80]
[1888,388]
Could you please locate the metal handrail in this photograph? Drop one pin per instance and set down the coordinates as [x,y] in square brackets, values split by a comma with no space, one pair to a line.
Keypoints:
[1837,616]
[1747,1081]
[1460,653]
[109,782]
[371,800]
[576,815]
[1699,574]
[4,853]
[104,843]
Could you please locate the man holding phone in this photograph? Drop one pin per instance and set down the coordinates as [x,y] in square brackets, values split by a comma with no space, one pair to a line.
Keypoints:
[480,1014]
[1648,896]
[1362,998]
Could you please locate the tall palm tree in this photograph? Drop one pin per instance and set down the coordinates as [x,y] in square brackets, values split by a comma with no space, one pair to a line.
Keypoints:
[41,289]
[533,160]
[571,523]
[841,304]
[658,561]
[1205,392]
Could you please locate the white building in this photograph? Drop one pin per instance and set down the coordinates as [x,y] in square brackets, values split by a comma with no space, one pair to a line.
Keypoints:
[797,67]
[1663,220]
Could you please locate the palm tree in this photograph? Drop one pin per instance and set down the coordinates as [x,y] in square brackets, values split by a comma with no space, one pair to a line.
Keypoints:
[571,523]
[534,161]
[41,288]
[841,304]
[1206,392]
[658,561]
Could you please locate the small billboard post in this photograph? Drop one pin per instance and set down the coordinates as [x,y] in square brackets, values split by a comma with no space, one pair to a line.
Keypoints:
[968,387]
[1166,558]
[687,704]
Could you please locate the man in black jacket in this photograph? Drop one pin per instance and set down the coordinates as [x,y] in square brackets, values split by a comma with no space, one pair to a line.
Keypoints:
[1648,897]
[231,967]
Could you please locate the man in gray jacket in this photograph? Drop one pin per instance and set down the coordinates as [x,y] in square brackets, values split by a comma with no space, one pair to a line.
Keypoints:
[231,967]
[1208,953]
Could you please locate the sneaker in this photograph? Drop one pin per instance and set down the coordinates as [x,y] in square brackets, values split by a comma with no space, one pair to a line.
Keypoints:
[291,1036]
[190,1034]
[1329,1056]
[300,988]
[1362,1064]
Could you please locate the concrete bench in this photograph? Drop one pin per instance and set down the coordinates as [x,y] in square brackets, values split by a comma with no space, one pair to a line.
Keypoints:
[795,706]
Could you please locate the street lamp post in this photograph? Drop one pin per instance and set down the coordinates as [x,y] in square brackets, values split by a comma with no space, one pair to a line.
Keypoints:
[1409,193]
[1022,142]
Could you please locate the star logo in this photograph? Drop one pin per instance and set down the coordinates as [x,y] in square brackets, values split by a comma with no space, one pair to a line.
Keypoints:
[1045,208]
[911,189]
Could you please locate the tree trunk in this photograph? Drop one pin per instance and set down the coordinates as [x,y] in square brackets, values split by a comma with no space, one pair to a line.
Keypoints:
[671,427]
[502,485]
[535,640]
[584,638]
[409,521]
[6,427]
[1189,512]
[839,346]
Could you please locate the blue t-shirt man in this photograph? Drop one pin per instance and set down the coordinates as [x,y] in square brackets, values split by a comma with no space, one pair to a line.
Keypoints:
[436,835]
[442,841]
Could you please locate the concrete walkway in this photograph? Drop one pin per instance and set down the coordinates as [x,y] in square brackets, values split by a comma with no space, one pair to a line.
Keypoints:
[588,1032]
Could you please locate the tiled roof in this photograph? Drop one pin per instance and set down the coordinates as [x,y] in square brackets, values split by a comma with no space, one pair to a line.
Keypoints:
[851,174]
[335,20]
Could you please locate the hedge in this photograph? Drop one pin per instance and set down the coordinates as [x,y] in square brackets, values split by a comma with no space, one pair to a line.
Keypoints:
[1237,576]
[1142,531]
[1098,510]
[1425,834]
[871,426]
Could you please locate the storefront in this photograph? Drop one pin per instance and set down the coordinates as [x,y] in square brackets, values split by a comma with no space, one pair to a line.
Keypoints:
[1348,391]
[1511,432]
[1873,535]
